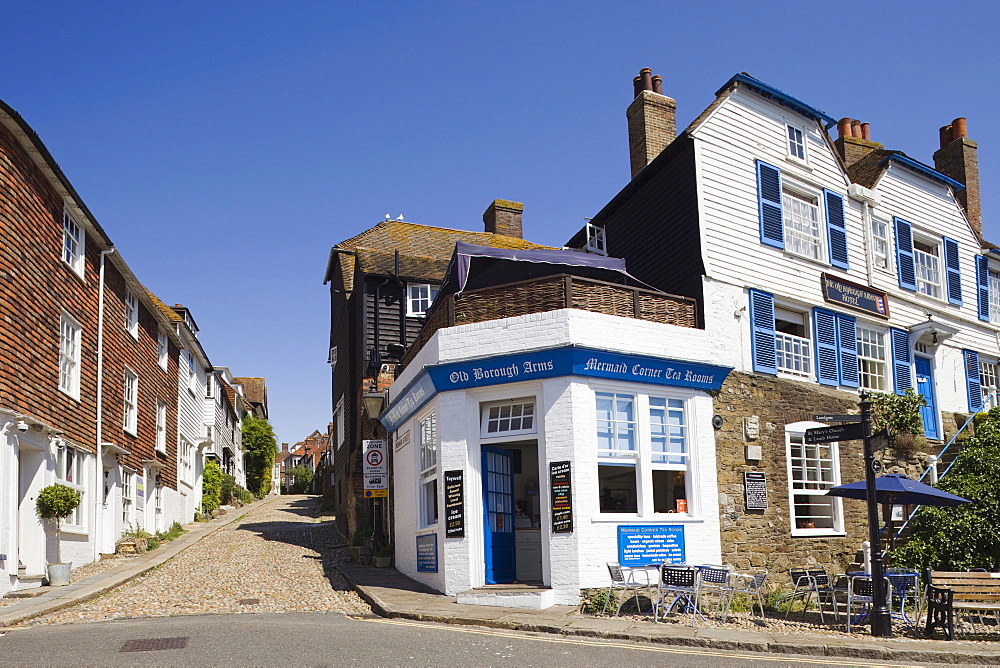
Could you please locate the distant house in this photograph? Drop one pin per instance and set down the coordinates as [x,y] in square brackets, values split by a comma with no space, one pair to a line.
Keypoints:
[382,282]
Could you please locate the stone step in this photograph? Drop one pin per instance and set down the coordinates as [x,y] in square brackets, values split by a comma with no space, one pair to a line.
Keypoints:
[510,596]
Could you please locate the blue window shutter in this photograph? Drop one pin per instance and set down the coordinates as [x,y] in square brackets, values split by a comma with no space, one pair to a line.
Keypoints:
[983,286]
[762,332]
[904,254]
[772,228]
[972,380]
[952,267]
[902,378]
[825,330]
[847,344]
[836,228]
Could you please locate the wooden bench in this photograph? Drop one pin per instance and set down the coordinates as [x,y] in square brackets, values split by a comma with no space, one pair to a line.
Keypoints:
[948,591]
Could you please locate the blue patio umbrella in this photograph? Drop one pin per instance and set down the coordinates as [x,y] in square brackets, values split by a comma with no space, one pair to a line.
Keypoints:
[897,489]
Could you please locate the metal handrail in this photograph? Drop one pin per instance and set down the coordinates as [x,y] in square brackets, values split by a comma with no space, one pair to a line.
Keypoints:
[990,398]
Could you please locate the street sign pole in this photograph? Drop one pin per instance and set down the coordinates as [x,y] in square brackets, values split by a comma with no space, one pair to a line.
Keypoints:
[881,615]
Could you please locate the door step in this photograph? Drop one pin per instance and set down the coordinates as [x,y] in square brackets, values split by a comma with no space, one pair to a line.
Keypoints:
[529,597]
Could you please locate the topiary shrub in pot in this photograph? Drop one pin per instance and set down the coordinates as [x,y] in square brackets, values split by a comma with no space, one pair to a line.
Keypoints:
[56,503]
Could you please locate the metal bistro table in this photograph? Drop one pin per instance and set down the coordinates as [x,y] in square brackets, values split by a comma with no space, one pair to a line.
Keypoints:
[904,585]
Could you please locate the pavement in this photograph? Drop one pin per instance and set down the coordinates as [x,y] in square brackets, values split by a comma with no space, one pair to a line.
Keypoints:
[393,595]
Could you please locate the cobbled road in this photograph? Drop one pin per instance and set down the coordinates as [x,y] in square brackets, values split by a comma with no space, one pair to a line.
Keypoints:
[277,558]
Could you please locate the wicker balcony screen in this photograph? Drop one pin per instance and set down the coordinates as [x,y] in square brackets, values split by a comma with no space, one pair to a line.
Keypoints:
[552,293]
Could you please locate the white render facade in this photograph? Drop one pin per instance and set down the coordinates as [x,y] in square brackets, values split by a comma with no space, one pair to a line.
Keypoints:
[556,420]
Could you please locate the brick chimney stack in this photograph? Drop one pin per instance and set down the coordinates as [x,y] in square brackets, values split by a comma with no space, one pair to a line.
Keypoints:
[958,158]
[652,120]
[854,140]
[504,217]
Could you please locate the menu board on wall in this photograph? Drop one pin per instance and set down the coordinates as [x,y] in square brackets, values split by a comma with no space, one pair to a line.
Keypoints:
[646,544]
[454,504]
[562,497]
[755,488]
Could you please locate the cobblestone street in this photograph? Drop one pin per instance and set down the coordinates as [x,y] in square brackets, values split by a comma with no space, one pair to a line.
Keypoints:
[278,558]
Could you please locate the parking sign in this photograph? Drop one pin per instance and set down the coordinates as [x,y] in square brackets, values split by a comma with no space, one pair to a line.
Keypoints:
[376,468]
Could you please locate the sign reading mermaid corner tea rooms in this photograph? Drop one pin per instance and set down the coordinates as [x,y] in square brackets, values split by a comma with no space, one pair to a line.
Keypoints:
[646,544]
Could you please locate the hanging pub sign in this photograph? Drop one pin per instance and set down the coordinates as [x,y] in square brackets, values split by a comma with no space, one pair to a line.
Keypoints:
[755,489]
[562,497]
[858,297]
[454,504]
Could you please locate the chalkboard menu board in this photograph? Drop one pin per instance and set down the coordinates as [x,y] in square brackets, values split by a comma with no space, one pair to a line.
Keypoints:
[647,544]
[755,487]
[454,504]
[562,497]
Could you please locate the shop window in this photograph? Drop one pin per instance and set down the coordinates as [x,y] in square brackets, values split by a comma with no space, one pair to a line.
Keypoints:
[427,433]
[508,419]
[655,464]
[812,471]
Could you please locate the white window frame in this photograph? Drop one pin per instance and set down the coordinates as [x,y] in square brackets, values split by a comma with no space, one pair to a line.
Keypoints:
[419,297]
[873,357]
[428,492]
[339,423]
[989,382]
[793,353]
[128,497]
[502,419]
[162,349]
[185,451]
[332,357]
[70,335]
[675,436]
[795,138]
[74,243]
[797,239]
[994,290]
[132,314]
[192,375]
[809,485]
[130,402]
[596,239]
[161,426]
[925,273]
[880,230]
[72,470]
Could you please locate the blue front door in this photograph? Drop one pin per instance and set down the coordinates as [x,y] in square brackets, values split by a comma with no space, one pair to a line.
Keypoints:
[925,388]
[498,502]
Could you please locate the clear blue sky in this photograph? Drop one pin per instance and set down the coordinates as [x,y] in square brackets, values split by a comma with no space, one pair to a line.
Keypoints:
[225,146]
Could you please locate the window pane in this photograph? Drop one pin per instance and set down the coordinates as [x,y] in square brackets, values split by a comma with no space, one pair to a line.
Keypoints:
[802,228]
[668,432]
[617,487]
[616,427]
[668,489]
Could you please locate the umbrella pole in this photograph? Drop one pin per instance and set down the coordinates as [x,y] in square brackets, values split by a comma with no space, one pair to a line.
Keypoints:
[881,617]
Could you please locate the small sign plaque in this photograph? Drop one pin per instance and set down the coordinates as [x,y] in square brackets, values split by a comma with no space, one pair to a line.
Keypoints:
[376,468]
[826,417]
[858,297]
[646,544]
[755,489]
[845,432]
[560,480]
[427,553]
[454,504]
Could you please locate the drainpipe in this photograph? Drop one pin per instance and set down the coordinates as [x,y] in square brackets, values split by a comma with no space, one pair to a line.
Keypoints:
[99,468]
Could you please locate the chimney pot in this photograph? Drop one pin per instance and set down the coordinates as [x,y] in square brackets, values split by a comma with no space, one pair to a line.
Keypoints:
[658,84]
[844,127]
[636,86]
[945,134]
[504,217]
[856,128]
[647,78]
[959,129]
[866,132]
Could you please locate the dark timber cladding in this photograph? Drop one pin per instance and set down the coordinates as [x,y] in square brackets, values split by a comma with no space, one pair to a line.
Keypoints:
[385,315]
[653,222]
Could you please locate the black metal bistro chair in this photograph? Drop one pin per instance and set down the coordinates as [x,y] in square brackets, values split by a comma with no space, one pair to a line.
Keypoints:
[679,585]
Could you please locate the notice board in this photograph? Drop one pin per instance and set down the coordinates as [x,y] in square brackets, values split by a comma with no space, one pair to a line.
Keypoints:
[646,544]
[560,482]
[427,553]
[454,504]
[755,489]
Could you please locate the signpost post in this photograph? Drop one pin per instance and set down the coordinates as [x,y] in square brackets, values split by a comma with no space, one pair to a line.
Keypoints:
[859,427]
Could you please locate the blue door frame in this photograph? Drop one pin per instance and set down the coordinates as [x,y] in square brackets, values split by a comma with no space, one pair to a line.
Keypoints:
[925,388]
[498,514]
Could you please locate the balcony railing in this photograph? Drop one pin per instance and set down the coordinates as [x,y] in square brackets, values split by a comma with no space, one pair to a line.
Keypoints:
[551,293]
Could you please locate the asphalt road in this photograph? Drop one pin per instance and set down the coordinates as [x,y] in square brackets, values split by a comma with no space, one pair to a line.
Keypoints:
[332,639]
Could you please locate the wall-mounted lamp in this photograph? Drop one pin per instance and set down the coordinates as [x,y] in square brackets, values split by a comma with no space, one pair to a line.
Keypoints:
[374,400]
[22,426]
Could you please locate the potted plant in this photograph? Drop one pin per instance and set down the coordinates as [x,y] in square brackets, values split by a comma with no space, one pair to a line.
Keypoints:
[361,550]
[57,502]
[383,555]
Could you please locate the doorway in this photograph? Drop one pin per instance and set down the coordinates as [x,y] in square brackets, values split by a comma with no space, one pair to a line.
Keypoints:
[925,388]
[512,514]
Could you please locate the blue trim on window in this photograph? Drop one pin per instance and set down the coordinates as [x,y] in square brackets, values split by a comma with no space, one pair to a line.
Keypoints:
[972,382]
[762,332]
[902,375]
[827,353]
[772,225]
[904,254]
[983,286]
[923,169]
[836,228]
[847,348]
[954,275]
